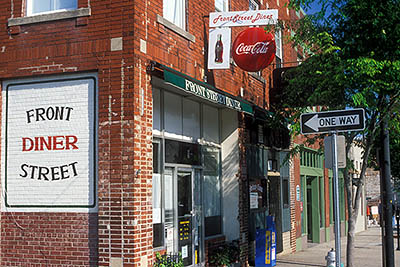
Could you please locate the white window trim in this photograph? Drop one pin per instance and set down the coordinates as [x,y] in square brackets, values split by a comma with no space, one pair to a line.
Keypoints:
[278,41]
[225,8]
[255,3]
[257,74]
[29,8]
[161,20]
[76,13]
[182,22]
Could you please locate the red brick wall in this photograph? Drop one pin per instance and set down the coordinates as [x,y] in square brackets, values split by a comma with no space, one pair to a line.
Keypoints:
[297,211]
[295,215]
[40,239]
[167,47]
[122,229]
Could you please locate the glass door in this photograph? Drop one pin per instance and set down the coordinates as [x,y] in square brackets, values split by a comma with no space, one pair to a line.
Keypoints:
[198,234]
[169,206]
[185,211]
[183,214]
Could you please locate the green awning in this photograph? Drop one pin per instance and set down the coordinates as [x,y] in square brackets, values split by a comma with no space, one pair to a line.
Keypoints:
[206,91]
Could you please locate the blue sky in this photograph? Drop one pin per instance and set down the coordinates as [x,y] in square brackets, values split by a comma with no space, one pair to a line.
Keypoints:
[314,7]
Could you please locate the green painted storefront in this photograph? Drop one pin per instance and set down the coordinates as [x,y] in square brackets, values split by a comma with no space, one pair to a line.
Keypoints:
[314,206]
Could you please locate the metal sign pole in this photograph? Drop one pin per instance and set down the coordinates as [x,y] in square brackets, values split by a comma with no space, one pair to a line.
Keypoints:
[335,170]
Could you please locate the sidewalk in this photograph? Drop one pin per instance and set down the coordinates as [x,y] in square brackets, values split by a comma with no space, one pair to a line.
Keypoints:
[368,252]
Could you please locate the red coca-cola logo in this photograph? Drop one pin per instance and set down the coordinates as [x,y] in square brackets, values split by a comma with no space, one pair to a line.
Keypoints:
[254,49]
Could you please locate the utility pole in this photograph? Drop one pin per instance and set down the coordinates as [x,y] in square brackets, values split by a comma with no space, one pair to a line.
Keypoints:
[386,197]
[335,170]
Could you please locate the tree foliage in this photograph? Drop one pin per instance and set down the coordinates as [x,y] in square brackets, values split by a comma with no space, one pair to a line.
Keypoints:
[353,61]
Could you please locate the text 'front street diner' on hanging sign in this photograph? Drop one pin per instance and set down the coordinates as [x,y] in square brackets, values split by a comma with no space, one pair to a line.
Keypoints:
[254,49]
[329,121]
[48,145]
[243,18]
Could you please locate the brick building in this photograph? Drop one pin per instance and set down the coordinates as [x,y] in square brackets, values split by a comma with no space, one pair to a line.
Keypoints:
[107,158]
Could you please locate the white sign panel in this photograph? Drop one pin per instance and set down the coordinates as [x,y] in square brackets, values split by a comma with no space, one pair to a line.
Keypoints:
[185,253]
[170,240]
[341,151]
[253,200]
[336,120]
[219,48]
[243,18]
[297,192]
[48,145]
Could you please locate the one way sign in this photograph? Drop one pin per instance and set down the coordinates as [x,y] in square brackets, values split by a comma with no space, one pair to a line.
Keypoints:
[338,120]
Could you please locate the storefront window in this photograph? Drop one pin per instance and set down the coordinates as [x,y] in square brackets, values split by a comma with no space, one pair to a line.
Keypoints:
[187,175]
[156,110]
[158,229]
[212,193]
[169,198]
[191,119]
[285,192]
[173,115]
[182,153]
[210,124]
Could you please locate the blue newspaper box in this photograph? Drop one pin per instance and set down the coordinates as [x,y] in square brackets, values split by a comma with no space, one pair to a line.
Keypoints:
[266,245]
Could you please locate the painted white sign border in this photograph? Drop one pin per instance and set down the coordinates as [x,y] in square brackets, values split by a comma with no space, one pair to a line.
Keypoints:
[92,204]
[243,18]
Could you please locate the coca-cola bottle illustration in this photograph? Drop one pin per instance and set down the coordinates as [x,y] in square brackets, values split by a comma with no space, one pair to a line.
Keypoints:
[219,49]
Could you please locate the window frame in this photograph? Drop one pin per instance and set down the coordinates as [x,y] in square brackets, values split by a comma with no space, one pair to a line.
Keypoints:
[205,142]
[30,5]
[286,192]
[180,23]
[255,3]
[161,173]
[225,4]
[279,47]
[209,149]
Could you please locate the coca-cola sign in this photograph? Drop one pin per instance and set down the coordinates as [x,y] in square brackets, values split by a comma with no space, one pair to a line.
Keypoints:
[254,49]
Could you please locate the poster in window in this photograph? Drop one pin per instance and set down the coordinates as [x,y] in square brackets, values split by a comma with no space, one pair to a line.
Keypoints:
[170,240]
[185,251]
[254,200]
[219,48]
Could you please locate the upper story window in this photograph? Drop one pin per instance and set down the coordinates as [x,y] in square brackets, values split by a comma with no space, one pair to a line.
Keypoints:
[221,5]
[253,5]
[278,42]
[35,7]
[174,11]
[310,158]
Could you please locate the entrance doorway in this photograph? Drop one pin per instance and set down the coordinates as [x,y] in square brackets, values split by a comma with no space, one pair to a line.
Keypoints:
[313,209]
[309,211]
[185,233]
[275,208]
